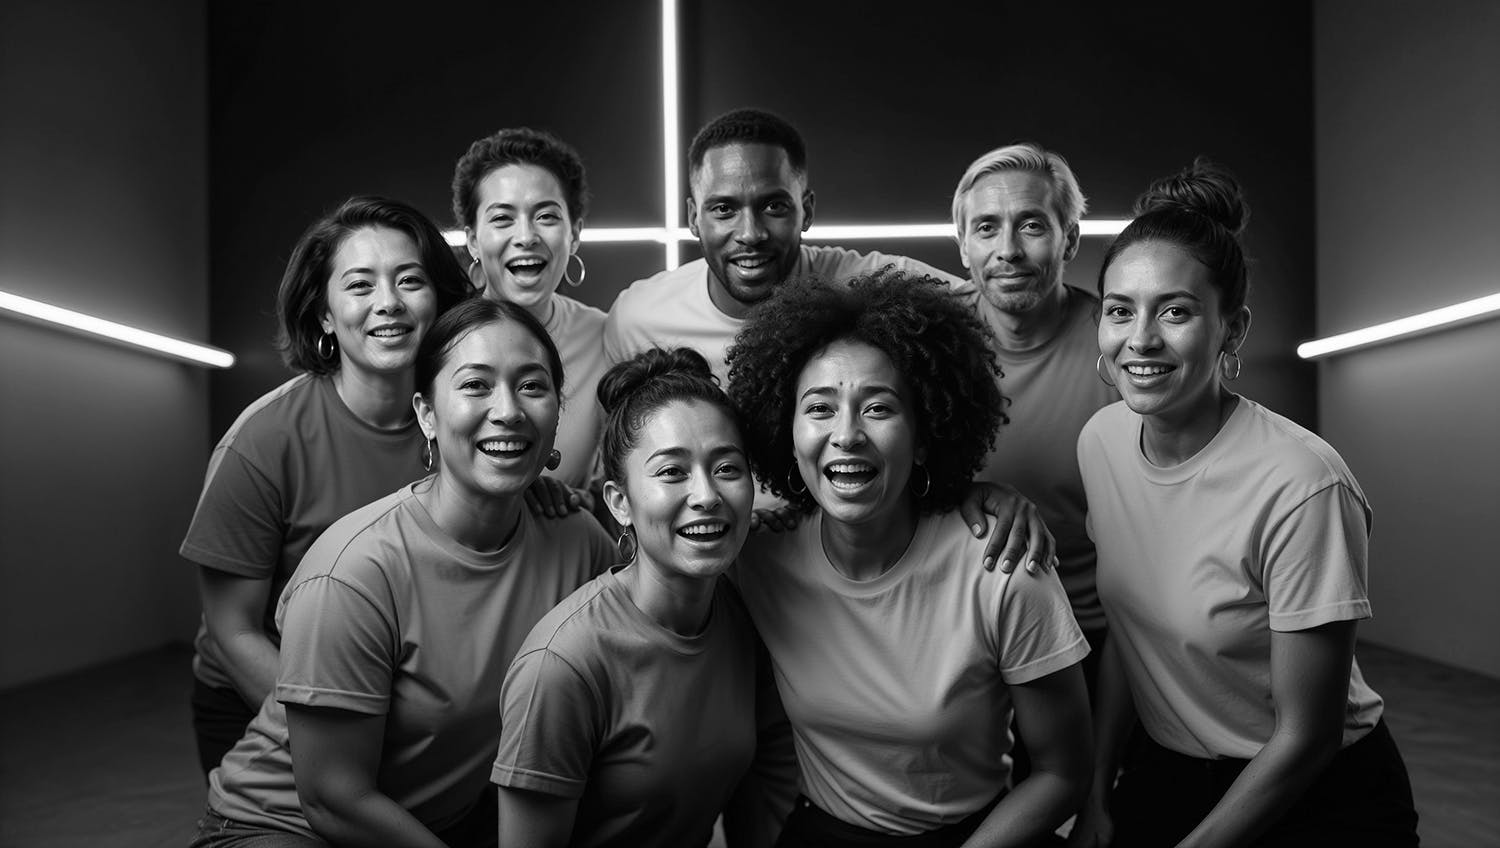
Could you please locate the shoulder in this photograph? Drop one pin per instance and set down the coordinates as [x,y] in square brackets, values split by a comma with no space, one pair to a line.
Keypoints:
[571,629]
[575,539]
[643,295]
[1282,447]
[1109,422]
[575,316]
[840,262]
[272,418]
[365,547]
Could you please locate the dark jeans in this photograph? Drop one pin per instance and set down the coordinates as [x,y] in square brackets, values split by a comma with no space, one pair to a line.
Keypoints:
[479,828]
[1362,798]
[810,827]
[220,717]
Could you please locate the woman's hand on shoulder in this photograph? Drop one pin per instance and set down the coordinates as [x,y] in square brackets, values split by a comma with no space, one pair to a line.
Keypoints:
[778,520]
[1021,536]
[549,497]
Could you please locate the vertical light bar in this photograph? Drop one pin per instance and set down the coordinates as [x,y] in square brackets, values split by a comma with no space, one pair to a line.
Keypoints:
[671,187]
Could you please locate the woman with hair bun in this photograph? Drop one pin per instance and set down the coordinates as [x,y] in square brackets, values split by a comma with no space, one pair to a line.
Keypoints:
[635,708]
[869,407]
[1232,565]
[361,289]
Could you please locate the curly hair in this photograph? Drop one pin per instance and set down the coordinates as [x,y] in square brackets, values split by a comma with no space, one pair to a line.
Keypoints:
[302,297]
[520,146]
[941,349]
[748,126]
[632,391]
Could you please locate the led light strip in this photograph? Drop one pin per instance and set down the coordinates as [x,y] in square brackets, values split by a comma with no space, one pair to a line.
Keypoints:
[671,189]
[176,348]
[1469,310]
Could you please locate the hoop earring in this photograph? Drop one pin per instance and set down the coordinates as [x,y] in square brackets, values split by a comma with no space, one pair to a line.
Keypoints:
[472,265]
[791,488]
[1099,369]
[583,271]
[926,483]
[621,544]
[1224,356]
[429,449]
[327,347]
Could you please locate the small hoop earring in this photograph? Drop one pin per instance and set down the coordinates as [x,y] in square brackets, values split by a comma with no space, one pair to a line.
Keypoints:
[583,271]
[790,487]
[926,482]
[1224,368]
[1099,369]
[327,347]
[626,541]
[429,449]
[554,459]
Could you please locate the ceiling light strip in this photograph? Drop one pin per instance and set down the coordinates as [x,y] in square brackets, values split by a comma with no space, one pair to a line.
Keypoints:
[1469,310]
[176,348]
[822,232]
[671,188]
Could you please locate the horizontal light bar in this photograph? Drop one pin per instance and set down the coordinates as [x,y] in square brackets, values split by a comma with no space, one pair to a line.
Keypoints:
[177,348]
[1459,312]
[819,232]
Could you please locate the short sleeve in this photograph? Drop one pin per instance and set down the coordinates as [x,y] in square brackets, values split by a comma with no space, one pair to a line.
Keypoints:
[1316,562]
[238,524]
[1038,634]
[615,347]
[877,261]
[550,726]
[338,648]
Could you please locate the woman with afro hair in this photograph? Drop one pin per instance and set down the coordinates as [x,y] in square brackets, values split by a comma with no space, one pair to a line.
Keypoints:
[869,406]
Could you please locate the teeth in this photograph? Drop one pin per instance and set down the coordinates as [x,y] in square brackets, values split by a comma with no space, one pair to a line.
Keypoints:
[390,331]
[704,529]
[502,446]
[851,468]
[751,262]
[526,264]
[1147,370]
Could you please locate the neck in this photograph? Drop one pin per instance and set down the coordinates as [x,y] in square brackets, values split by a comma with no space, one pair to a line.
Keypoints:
[719,295]
[480,523]
[1169,440]
[867,550]
[1019,332]
[544,310]
[380,400]
[679,603]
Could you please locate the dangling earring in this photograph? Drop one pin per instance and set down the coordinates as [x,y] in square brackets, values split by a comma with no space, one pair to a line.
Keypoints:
[582,271]
[926,482]
[327,347]
[1224,365]
[1099,369]
[475,271]
[429,449]
[554,459]
[624,543]
[790,487]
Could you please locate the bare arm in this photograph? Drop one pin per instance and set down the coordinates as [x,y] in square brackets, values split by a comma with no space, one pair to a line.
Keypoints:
[1053,714]
[535,819]
[335,760]
[234,608]
[1114,718]
[1022,536]
[1310,687]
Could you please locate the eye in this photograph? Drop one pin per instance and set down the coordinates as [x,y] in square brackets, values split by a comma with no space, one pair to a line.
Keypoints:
[1116,312]
[474,386]
[1176,313]
[729,470]
[413,281]
[536,386]
[985,228]
[500,220]
[669,472]
[818,409]
[720,210]
[779,207]
[549,217]
[880,409]
[358,285]
[1034,227]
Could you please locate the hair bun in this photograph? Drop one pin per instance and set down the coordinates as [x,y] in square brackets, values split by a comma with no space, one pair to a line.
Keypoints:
[1203,188]
[627,378]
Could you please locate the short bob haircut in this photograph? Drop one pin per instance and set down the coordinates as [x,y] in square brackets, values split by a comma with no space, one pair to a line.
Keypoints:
[634,390]
[1202,210]
[941,349]
[1025,156]
[302,298]
[520,146]
[748,126]
[473,313]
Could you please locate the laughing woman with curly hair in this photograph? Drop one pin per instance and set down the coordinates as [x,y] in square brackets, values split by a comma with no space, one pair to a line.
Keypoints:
[869,407]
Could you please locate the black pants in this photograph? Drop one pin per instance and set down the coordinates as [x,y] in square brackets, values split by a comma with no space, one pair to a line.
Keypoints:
[220,717]
[1362,798]
[810,827]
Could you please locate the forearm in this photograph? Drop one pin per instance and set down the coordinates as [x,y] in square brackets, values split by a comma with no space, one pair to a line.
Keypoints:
[1273,781]
[368,819]
[251,661]
[1035,808]
[1114,720]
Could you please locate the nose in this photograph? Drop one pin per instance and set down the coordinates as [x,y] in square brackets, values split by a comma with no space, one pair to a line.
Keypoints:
[524,232]
[750,229]
[703,494]
[847,433]
[504,409]
[388,298]
[1144,335]
[1007,246]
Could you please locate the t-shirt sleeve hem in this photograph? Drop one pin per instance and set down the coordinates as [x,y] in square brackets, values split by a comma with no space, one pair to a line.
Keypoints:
[308,696]
[1043,666]
[219,562]
[518,778]
[1353,610]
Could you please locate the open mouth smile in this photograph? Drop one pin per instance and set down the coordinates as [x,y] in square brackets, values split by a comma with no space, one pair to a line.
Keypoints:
[705,531]
[849,475]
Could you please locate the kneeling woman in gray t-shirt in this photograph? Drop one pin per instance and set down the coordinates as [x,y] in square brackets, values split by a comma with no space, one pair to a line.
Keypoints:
[635,708]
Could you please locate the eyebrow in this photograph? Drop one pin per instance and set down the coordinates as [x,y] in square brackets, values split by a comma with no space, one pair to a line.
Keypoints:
[503,205]
[677,450]
[1172,295]
[402,267]
[868,390]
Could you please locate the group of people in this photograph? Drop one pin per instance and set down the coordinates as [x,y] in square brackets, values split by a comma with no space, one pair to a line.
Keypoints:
[893,557]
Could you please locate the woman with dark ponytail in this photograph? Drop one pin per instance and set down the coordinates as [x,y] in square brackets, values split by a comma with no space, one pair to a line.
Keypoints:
[635,708]
[1232,565]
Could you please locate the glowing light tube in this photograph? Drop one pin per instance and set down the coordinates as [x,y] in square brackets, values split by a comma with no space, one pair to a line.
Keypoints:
[176,348]
[1469,310]
[671,190]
